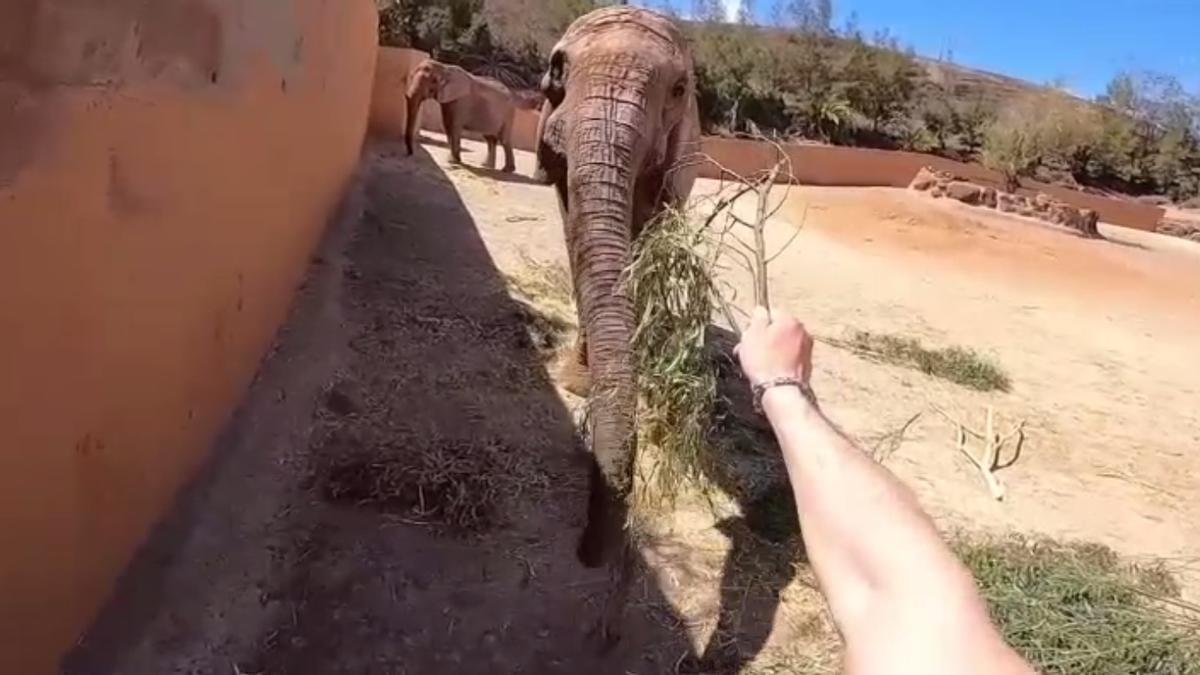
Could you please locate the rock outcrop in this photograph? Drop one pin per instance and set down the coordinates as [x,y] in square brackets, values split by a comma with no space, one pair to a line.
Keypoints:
[1042,206]
[1179,228]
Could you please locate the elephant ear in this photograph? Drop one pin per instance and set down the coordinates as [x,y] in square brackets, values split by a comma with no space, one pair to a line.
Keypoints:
[455,84]
[682,146]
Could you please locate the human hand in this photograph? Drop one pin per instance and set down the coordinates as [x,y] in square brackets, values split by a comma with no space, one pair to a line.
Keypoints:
[774,347]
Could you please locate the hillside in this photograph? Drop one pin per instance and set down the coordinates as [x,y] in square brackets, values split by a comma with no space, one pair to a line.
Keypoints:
[969,84]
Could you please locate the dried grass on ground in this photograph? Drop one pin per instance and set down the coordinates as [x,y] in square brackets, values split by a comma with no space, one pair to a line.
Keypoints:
[1078,609]
[960,365]
[544,296]
[455,485]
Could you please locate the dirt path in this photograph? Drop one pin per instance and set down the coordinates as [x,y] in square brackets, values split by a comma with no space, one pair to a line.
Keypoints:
[402,492]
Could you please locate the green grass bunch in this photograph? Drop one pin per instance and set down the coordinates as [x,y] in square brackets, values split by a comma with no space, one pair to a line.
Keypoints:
[671,282]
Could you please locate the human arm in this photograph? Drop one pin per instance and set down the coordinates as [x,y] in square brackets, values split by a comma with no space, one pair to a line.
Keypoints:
[901,599]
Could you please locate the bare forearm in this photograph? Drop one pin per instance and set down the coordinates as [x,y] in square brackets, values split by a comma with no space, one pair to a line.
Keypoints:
[874,550]
[903,602]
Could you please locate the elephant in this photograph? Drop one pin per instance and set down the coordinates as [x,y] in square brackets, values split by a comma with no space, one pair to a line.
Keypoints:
[469,102]
[617,131]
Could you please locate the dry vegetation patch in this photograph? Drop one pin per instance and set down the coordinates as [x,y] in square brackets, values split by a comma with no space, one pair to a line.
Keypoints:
[456,485]
[1079,609]
[960,365]
[544,296]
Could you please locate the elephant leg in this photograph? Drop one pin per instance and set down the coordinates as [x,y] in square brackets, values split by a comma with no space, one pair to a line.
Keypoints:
[490,162]
[455,146]
[573,373]
[450,122]
[510,162]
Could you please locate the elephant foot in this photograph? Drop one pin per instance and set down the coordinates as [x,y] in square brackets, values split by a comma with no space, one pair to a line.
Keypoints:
[455,160]
[608,629]
[509,168]
[540,176]
[574,377]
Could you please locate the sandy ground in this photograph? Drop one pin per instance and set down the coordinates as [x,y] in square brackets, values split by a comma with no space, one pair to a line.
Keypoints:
[404,345]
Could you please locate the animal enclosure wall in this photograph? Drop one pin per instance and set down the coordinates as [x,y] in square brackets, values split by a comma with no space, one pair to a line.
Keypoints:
[166,168]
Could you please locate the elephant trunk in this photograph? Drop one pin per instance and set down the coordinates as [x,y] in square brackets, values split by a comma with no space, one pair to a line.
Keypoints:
[606,148]
[411,120]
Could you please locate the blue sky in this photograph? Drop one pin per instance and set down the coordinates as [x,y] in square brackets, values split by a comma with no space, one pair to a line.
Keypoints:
[1084,42]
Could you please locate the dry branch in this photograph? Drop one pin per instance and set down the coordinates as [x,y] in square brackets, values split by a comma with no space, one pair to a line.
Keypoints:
[748,251]
[989,463]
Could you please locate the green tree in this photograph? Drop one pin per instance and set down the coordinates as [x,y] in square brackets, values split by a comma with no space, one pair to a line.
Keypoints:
[881,81]
[813,95]
[1151,135]
[732,79]
[1014,143]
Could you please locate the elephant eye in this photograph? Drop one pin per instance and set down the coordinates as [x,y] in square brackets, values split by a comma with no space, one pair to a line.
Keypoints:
[679,89]
[558,65]
[553,84]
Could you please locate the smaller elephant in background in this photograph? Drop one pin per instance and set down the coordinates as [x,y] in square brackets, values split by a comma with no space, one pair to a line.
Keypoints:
[469,102]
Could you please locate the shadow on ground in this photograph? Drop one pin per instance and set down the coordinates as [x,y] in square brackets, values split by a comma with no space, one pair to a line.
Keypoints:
[765,546]
[401,490]
[497,175]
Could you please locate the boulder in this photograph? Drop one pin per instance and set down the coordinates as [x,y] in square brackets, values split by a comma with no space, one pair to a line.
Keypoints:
[1042,202]
[1089,223]
[1062,214]
[926,179]
[1178,228]
[967,193]
[989,197]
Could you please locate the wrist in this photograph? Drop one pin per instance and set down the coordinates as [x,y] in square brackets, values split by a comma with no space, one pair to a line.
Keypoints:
[786,401]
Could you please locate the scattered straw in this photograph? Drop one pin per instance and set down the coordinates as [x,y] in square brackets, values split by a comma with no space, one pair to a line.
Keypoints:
[956,364]
[1078,609]
[545,302]
[458,485]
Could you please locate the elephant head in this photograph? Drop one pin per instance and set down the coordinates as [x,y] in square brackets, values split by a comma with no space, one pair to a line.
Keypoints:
[620,112]
[432,79]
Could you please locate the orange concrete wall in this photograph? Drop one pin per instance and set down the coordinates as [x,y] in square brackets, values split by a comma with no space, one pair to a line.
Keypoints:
[166,168]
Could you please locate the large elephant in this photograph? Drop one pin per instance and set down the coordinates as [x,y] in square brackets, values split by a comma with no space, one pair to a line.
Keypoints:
[469,102]
[615,138]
